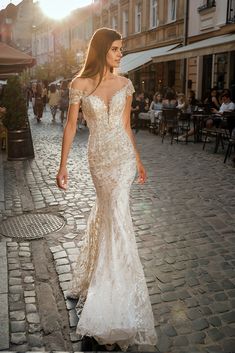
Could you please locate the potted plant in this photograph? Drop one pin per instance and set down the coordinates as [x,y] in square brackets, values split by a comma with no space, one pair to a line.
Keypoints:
[15,119]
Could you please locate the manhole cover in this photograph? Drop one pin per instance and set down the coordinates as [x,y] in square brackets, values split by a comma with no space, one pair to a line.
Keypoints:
[31,226]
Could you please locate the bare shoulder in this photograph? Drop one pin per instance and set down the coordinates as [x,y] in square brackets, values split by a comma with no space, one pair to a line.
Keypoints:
[123,80]
[79,83]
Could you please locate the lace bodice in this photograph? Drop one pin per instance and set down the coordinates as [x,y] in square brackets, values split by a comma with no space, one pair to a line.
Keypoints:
[97,112]
[108,139]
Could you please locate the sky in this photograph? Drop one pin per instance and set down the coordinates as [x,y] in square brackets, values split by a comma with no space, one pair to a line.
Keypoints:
[4,3]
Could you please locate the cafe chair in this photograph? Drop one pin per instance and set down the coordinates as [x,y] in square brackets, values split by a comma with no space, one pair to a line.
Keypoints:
[184,122]
[169,123]
[219,134]
[231,145]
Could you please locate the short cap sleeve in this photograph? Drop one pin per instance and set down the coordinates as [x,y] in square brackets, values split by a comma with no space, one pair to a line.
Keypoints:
[75,96]
[130,88]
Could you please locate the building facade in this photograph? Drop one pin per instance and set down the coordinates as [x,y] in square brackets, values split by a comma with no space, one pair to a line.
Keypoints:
[183,44]
[22,26]
[146,25]
[216,66]
[7,18]
[208,52]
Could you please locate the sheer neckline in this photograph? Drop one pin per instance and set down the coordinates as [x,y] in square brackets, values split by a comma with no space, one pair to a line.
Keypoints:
[107,104]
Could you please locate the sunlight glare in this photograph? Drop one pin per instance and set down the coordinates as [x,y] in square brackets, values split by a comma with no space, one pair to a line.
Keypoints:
[60,9]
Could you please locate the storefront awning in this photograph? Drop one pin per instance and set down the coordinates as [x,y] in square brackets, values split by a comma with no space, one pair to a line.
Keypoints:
[13,60]
[133,61]
[208,46]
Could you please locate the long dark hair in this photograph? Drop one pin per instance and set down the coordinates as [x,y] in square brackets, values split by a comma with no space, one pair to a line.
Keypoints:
[98,48]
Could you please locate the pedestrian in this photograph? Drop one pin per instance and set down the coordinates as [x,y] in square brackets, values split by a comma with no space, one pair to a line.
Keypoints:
[108,280]
[33,96]
[39,101]
[64,101]
[44,95]
[53,100]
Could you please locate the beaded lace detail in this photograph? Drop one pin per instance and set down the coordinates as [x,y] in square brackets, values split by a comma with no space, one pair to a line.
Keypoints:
[108,279]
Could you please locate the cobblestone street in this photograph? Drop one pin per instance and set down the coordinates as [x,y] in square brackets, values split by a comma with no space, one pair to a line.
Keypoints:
[184,219]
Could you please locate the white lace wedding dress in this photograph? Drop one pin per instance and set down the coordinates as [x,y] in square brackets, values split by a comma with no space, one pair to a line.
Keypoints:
[113,305]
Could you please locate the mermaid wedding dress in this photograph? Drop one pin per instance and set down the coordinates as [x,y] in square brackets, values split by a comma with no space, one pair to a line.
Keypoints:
[108,279]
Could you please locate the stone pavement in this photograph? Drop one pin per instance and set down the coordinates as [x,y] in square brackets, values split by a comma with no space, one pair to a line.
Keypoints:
[184,219]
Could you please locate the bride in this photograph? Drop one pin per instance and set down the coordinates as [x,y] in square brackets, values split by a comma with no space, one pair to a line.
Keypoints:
[108,280]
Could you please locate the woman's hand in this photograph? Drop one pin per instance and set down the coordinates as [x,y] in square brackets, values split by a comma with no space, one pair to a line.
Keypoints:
[62,178]
[142,173]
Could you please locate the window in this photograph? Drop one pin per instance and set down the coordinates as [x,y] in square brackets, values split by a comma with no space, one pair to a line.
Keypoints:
[138,18]
[114,22]
[172,10]
[231,11]
[125,23]
[207,4]
[153,13]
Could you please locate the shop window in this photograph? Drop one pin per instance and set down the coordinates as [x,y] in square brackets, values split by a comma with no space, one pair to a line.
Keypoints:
[153,13]
[231,11]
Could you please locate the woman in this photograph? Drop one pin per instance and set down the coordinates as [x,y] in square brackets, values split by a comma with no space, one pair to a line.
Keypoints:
[169,101]
[213,99]
[113,305]
[53,97]
[155,109]
[64,101]
[44,95]
[182,103]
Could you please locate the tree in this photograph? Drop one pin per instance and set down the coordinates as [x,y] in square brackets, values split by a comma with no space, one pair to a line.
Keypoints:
[46,71]
[66,63]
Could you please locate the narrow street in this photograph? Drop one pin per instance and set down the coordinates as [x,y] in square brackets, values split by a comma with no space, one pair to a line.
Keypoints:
[184,219]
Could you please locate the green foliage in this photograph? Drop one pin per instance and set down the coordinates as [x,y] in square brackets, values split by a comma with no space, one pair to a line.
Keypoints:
[63,65]
[25,77]
[46,71]
[66,62]
[14,101]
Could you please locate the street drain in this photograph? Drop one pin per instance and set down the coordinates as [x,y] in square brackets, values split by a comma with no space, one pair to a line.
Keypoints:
[31,226]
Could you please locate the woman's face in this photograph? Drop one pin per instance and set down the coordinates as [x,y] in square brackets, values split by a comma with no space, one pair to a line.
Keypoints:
[114,54]
[158,97]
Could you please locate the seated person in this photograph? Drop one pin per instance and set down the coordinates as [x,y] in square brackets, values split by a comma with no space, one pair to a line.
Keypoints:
[182,103]
[213,99]
[189,107]
[139,105]
[155,108]
[226,106]
[169,101]
[192,102]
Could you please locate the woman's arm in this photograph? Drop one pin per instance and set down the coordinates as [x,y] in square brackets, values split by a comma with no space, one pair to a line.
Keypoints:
[68,136]
[151,106]
[127,125]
